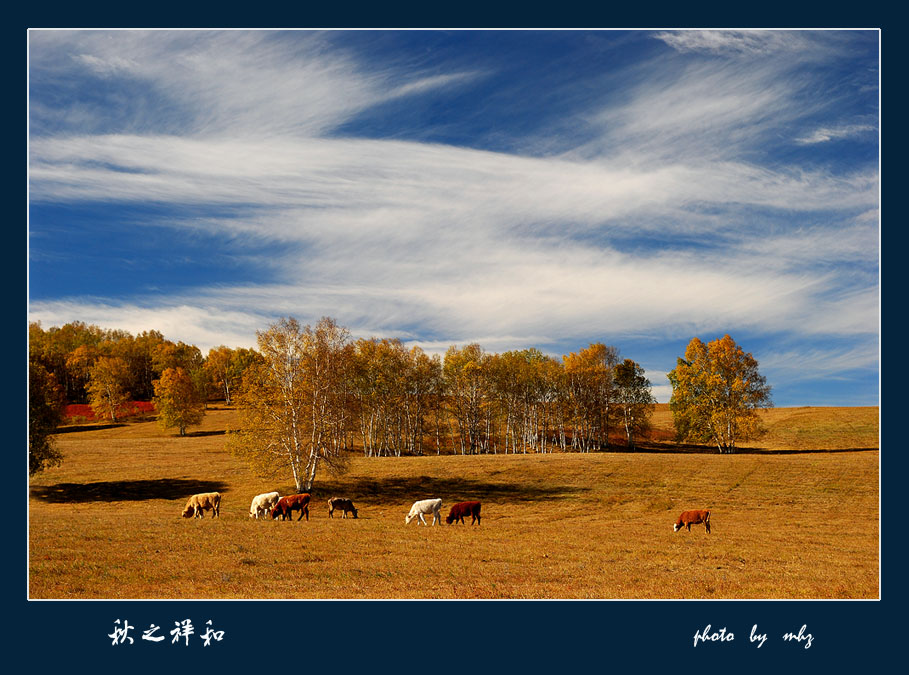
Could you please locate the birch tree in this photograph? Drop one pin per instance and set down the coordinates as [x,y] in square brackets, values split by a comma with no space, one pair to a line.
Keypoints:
[465,376]
[107,386]
[225,368]
[295,405]
[590,388]
[633,398]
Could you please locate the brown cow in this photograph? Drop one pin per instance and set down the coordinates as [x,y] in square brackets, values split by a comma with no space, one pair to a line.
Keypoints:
[287,505]
[689,518]
[340,504]
[460,511]
[198,504]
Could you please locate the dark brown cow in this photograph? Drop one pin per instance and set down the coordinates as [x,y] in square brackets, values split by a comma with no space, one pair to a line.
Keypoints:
[340,504]
[689,518]
[287,505]
[460,511]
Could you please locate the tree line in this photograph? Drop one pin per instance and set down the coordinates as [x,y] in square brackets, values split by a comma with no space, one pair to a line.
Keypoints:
[316,392]
[85,359]
[308,395]
[82,363]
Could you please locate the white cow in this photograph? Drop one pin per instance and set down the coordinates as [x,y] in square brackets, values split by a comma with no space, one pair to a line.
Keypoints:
[262,504]
[427,506]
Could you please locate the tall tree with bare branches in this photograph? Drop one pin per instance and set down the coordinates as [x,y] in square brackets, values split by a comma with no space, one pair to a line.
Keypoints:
[465,373]
[633,398]
[295,405]
[107,386]
[590,387]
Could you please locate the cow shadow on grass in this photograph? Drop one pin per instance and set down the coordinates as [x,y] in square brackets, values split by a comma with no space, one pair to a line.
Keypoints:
[125,490]
[449,489]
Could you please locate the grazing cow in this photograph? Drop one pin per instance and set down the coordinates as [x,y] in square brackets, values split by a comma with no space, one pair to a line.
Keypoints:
[204,501]
[262,504]
[689,518]
[287,505]
[460,511]
[340,504]
[427,506]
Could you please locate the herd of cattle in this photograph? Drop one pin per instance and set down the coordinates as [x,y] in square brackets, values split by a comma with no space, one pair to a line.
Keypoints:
[272,504]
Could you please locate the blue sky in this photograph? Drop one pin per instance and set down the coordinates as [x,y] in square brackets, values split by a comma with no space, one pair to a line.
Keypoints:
[518,189]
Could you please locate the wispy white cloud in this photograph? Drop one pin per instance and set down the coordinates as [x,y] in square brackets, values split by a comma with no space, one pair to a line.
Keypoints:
[747,43]
[855,242]
[833,362]
[353,174]
[702,112]
[456,244]
[241,83]
[464,241]
[432,83]
[534,295]
[109,65]
[825,134]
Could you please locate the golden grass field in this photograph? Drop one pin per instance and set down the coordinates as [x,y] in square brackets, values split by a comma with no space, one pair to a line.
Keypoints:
[785,524]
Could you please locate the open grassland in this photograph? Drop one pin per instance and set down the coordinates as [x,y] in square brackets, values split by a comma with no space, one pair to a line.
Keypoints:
[802,429]
[106,524]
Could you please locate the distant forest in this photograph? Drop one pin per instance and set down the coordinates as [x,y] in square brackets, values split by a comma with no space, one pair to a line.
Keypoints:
[395,399]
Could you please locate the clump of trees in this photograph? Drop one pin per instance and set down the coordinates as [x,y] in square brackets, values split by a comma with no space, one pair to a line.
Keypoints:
[81,363]
[314,391]
[86,359]
[716,393]
[395,392]
[224,368]
[307,394]
[524,387]
[522,401]
[105,367]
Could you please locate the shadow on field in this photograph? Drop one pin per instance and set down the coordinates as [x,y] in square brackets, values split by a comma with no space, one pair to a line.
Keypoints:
[807,451]
[682,448]
[449,489]
[87,427]
[125,490]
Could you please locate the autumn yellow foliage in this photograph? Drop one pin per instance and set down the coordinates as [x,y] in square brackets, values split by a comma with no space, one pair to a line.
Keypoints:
[716,392]
[177,401]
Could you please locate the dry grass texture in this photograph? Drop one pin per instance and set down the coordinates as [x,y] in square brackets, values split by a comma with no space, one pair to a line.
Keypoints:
[106,524]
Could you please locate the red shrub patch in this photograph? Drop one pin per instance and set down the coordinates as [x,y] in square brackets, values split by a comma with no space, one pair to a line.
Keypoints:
[82,412]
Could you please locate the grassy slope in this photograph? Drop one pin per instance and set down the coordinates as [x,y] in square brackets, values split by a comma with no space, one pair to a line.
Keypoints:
[806,428]
[106,524]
